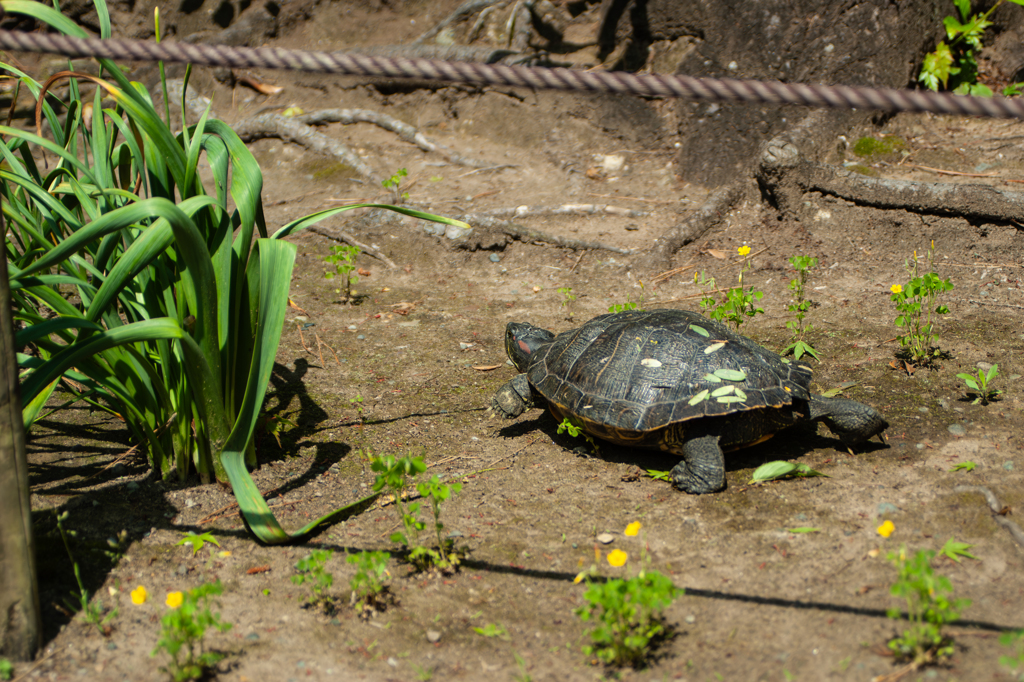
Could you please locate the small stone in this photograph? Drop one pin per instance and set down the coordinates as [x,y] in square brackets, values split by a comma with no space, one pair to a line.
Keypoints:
[887,508]
[983,366]
[252,636]
[922,409]
[433,636]
[1008,466]
[352,327]
[392,661]
[361,337]
[495,258]
[119,470]
[691,619]
[605,538]
[132,487]
[919,446]
[957,430]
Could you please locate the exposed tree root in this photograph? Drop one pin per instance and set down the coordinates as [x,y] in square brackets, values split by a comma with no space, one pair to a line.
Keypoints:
[464,10]
[488,227]
[564,209]
[339,236]
[696,224]
[404,131]
[785,174]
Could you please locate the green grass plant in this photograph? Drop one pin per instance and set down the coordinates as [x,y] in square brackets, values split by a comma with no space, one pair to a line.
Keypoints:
[799,307]
[738,303]
[929,604]
[311,570]
[954,65]
[627,613]
[183,631]
[369,583]
[91,610]
[1014,640]
[343,260]
[980,385]
[396,476]
[143,291]
[916,303]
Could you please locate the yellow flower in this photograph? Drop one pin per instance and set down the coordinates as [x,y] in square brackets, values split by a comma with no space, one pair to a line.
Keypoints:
[743,250]
[139,595]
[174,599]
[617,558]
[226,553]
[633,528]
[896,288]
[886,529]
[579,577]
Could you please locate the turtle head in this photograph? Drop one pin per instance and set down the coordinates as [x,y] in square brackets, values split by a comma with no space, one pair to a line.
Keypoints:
[523,340]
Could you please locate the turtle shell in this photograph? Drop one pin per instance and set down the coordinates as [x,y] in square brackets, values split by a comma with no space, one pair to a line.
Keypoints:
[640,371]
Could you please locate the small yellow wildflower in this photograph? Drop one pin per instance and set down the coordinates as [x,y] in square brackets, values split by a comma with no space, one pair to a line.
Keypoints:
[174,599]
[743,250]
[896,288]
[139,595]
[226,553]
[633,528]
[886,529]
[617,558]
[579,577]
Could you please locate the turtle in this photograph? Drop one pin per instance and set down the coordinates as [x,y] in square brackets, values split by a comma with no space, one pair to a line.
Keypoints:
[671,380]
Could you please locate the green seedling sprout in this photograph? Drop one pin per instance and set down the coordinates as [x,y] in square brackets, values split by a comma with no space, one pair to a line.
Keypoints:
[197,541]
[394,184]
[576,430]
[738,303]
[980,385]
[567,298]
[311,570]
[1015,640]
[92,611]
[629,305]
[799,307]
[369,583]
[343,259]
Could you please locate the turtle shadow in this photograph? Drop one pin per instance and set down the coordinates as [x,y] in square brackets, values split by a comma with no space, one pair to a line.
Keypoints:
[792,443]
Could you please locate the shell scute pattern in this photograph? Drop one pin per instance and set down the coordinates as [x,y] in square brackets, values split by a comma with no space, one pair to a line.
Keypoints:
[639,371]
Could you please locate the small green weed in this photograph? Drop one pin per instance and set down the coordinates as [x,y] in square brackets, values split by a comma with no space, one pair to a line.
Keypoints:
[183,629]
[928,608]
[980,385]
[369,583]
[394,474]
[197,541]
[799,307]
[916,302]
[343,259]
[567,298]
[92,611]
[955,65]
[964,466]
[394,184]
[522,675]
[310,569]
[774,471]
[629,305]
[6,669]
[627,613]
[1014,640]
[955,550]
[575,430]
[493,630]
[737,303]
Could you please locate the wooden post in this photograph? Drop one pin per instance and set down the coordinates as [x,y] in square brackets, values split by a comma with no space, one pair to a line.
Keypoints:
[20,631]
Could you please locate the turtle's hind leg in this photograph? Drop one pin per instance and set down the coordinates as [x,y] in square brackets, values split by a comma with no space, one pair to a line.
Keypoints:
[853,422]
[703,467]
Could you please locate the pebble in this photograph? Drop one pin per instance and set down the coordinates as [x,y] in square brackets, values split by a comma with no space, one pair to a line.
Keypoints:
[352,327]
[957,430]
[361,337]
[119,470]
[605,538]
[1008,466]
[495,258]
[887,508]
[691,619]
[433,636]
[132,487]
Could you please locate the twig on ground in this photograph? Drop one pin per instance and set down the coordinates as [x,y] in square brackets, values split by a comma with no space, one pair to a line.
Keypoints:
[565,209]
[693,227]
[997,510]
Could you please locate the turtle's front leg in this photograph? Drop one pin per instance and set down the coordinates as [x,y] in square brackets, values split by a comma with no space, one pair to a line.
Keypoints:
[514,398]
[703,467]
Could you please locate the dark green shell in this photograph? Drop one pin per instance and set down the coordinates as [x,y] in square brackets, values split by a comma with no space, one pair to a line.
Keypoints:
[640,371]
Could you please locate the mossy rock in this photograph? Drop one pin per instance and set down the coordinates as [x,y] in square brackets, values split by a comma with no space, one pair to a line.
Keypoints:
[888,148]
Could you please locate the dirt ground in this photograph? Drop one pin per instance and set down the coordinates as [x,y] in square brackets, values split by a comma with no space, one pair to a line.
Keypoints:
[423,350]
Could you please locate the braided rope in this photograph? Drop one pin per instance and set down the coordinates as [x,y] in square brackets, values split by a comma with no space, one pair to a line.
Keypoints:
[684,87]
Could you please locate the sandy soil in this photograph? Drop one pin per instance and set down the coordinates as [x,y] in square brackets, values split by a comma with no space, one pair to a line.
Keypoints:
[423,349]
